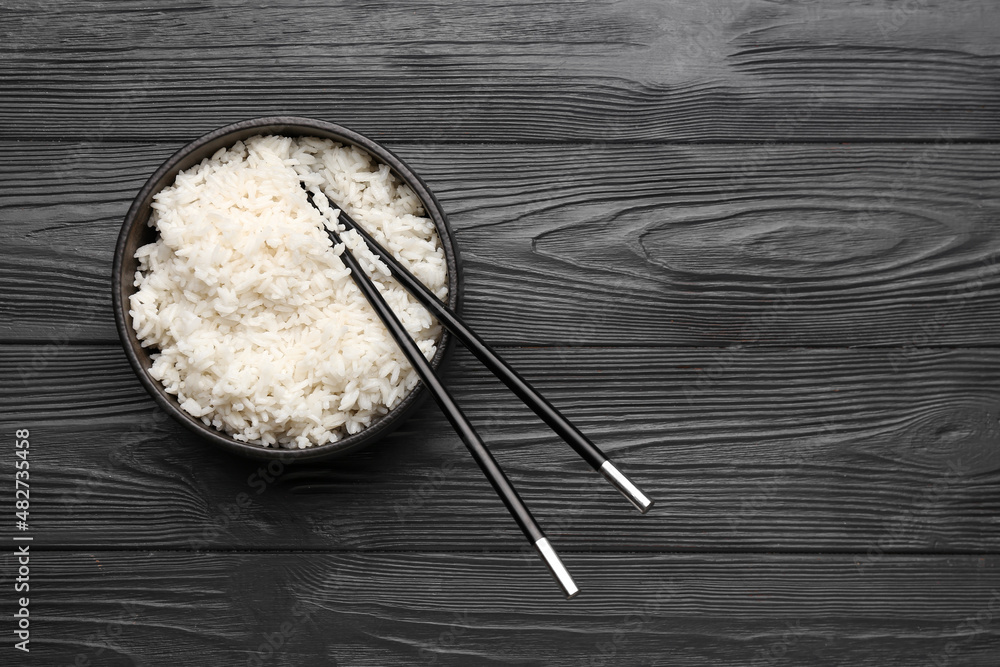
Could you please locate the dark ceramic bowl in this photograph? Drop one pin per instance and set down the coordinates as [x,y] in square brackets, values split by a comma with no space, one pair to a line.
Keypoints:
[135,233]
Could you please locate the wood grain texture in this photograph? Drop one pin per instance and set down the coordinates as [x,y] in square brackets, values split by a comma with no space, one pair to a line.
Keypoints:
[606,245]
[797,450]
[739,70]
[750,246]
[168,608]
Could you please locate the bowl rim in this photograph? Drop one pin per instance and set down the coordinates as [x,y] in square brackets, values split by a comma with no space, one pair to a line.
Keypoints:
[192,154]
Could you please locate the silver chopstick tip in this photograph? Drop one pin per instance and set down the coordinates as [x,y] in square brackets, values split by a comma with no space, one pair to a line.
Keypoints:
[618,479]
[556,568]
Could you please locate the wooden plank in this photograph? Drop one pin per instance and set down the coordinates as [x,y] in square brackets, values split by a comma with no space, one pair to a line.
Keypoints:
[856,451]
[121,608]
[610,245]
[740,70]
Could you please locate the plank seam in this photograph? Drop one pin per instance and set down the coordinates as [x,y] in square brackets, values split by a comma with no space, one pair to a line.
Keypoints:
[562,550]
[509,345]
[542,142]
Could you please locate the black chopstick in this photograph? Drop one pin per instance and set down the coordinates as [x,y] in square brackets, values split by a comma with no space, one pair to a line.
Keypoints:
[590,453]
[518,510]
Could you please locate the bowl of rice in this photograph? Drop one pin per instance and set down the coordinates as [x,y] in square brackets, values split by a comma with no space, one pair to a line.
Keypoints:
[236,311]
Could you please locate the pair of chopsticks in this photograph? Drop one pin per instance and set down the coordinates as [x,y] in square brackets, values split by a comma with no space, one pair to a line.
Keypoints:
[489,358]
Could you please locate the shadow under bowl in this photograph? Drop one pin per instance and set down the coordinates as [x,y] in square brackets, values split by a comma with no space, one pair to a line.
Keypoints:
[136,232]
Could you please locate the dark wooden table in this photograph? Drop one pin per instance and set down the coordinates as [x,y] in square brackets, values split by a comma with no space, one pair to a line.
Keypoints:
[751,247]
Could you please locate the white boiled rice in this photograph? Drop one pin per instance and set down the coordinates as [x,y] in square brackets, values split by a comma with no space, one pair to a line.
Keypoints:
[260,330]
